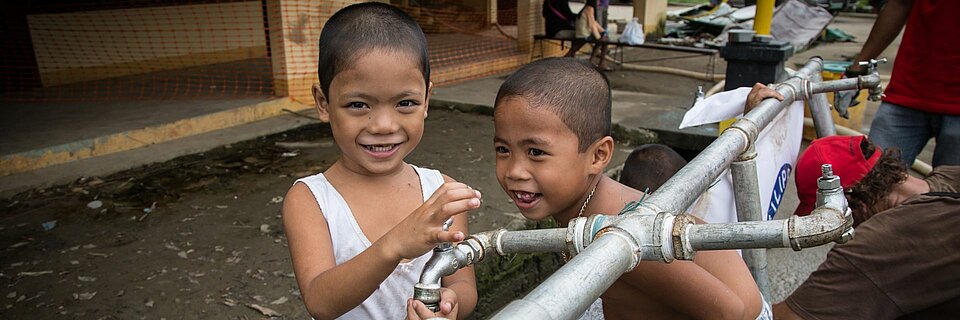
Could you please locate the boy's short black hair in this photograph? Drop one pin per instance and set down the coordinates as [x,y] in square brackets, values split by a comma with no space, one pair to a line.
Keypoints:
[358,29]
[650,166]
[574,90]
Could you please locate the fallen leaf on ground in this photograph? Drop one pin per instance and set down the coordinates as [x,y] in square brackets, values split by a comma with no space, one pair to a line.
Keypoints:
[264,310]
[280,300]
[84,295]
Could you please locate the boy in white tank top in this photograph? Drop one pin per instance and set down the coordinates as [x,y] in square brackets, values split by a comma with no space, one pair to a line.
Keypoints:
[361,231]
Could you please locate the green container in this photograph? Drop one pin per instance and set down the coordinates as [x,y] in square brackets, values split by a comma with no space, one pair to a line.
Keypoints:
[835,66]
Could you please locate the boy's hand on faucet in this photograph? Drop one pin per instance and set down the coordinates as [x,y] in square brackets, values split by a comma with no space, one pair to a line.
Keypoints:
[422,229]
[449,307]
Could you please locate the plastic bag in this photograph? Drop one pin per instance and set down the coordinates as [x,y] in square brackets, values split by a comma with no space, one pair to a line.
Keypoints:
[632,33]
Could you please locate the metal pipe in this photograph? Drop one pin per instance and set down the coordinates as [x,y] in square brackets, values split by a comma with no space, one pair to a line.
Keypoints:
[447,259]
[533,241]
[764,16]
[746,187]
[862,82]
[830,221]
[820,110]
[572,288]
[822,226]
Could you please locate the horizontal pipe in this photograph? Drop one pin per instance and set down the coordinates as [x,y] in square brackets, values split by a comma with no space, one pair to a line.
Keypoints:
[740,235]
[570,290]
[861,82]
[822,226]
[533,241]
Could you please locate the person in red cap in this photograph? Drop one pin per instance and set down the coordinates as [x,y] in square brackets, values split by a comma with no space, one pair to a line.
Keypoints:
[904,260]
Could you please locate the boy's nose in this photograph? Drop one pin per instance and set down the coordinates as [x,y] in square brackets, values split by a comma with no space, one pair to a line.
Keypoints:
[516,171]
[382,121]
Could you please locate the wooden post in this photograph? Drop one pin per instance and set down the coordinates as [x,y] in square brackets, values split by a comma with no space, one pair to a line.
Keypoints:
[294,48]
[491,12]
[529,23]
[651,14]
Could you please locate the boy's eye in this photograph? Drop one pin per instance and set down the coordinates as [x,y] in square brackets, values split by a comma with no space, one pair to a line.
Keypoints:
[357,105]
[501,150]
[407,104]
[536,152]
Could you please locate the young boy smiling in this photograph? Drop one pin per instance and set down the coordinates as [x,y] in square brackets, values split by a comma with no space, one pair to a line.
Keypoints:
[552,140]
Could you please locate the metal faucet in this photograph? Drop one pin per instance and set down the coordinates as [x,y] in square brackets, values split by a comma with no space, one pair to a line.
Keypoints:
[830,194]
[446,260]
[876,93]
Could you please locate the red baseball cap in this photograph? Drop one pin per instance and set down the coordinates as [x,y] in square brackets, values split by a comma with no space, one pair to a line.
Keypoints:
[844,153]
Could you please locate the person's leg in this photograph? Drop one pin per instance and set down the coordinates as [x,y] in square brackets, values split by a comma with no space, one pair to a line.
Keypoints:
[947,152]
[603,58]
[575,46]
[901,127]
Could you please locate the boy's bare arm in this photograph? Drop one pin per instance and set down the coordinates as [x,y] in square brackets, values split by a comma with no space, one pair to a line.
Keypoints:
[330,290]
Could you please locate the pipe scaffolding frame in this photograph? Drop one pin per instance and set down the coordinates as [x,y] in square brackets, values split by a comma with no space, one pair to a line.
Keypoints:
[604,247]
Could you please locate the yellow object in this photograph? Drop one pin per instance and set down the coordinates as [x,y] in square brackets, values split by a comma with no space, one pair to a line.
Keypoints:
[761,22]
[724,125]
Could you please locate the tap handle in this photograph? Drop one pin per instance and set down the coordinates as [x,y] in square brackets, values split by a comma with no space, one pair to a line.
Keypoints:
[447,224]
[872,64]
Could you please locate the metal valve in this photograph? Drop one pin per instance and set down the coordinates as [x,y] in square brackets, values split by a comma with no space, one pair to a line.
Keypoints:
[872,64]
[876,93]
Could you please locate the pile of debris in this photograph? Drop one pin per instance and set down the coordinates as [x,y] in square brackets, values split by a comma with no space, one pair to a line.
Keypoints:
[707,25]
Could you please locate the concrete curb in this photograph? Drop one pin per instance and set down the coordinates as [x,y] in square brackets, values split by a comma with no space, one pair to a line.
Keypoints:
[133,139]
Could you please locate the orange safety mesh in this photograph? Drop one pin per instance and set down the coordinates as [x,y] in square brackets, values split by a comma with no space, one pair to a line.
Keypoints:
[60,50]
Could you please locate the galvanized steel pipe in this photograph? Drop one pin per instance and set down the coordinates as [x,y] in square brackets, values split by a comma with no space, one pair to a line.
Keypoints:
[746,187]
[572,288]
[820,111]
[858,83]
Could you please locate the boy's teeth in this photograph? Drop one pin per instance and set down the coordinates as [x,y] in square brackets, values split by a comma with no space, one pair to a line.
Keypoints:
[380,147]
[525,196]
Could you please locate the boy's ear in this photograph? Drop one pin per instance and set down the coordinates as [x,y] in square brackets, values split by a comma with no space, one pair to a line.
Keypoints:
[601,153]
[321,101]
[426,104]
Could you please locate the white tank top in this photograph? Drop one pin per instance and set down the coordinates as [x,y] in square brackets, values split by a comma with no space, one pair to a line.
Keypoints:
[389,300]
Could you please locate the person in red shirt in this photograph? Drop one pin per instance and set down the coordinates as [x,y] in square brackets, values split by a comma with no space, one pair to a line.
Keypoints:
[923,97]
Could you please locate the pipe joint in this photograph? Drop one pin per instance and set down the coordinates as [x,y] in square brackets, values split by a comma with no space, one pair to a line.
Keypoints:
[748,129]
[636,248]
[649,232]
[581,231]
[681,241]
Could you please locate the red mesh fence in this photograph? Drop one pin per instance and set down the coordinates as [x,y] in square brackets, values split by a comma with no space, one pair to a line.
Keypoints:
[60,50]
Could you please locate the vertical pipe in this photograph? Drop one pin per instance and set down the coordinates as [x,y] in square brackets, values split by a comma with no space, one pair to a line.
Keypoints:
[746,187]
[820,111]
[764,16]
